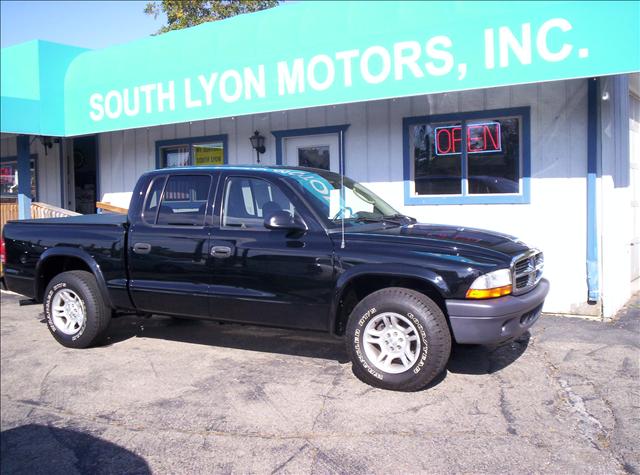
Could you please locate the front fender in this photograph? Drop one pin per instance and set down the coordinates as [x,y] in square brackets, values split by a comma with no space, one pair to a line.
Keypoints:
[63,251]
[391,270]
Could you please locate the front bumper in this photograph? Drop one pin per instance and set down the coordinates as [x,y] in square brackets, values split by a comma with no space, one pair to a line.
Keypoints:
[496,320]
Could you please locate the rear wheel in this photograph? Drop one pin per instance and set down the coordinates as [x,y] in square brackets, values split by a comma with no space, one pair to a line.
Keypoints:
[76,313]
[398,339]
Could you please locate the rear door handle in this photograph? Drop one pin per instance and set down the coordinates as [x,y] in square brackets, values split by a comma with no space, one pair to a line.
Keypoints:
[220,251]
[141,248]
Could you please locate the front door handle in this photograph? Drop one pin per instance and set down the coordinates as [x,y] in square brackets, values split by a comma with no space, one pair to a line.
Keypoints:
[141,248]
[220,251]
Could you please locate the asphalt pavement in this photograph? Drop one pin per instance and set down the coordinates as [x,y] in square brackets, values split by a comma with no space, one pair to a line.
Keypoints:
[172,396]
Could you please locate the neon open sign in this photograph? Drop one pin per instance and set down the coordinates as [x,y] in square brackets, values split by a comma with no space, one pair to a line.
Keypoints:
[481,138]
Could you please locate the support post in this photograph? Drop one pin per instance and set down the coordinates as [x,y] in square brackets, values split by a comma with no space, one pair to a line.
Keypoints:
[593,261]
[24,177]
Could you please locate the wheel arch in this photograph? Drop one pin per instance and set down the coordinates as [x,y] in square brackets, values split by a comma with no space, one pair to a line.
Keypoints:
[355,284]
[60,259]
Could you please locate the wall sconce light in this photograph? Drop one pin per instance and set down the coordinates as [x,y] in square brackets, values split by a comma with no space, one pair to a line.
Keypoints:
[47,142]
[257,142]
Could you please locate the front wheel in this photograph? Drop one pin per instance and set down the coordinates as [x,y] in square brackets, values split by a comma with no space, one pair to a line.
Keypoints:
[398,339]
[76,313]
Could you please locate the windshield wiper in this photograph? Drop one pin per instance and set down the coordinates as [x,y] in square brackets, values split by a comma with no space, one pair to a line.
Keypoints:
[400,218]
[380,219]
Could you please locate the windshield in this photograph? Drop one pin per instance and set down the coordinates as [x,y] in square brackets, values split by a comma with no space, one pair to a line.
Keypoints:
[357,204]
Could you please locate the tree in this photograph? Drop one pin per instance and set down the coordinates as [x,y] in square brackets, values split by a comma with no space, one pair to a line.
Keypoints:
[186,13]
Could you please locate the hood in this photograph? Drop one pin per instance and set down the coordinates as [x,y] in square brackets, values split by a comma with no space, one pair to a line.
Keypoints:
[447,239]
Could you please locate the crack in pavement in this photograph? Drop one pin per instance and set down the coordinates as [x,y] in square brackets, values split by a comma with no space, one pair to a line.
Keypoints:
[325,396]
[505,409]
[590,426]
[286,462]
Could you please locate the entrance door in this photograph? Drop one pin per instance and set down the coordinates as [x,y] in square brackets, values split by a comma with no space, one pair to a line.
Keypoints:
[82,168]
[316,151]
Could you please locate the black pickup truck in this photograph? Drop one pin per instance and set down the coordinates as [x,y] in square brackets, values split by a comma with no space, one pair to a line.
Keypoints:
[281,246]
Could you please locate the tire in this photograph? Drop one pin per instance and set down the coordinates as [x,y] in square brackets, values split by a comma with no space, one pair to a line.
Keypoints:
[409,328]
[83,322]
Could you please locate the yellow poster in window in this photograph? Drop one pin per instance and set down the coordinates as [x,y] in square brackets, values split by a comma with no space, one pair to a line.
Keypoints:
[208,155]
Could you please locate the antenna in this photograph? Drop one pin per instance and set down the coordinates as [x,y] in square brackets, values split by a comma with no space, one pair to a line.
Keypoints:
[342,194]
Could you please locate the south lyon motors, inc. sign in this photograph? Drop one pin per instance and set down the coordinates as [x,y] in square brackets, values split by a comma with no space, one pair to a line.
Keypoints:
[359,51]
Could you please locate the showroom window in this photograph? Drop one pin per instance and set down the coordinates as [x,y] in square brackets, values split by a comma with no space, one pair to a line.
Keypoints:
[473,157]
[193,151]
[9,177]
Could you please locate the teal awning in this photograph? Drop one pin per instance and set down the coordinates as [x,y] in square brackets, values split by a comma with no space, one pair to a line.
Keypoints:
[312,54]
[32,87]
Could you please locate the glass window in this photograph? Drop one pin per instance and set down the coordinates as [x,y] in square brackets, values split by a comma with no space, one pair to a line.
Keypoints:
[340,200]
[184,200]
[175,156]
[150,212]
[494,156]
[192,153]
[208,154]
[437,159]
[314,157]
[9,179]
[466,157]
[249,201]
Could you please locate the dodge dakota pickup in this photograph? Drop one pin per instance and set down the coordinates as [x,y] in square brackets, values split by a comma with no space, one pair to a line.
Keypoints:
[287,247]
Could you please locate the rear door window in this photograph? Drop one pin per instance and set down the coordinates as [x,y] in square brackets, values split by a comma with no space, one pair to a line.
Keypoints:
[184,201]
[150,212]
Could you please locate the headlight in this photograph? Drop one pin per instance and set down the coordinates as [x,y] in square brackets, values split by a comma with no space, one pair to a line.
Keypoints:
[493,284]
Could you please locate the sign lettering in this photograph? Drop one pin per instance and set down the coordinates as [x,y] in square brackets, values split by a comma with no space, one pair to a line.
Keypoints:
[481,138]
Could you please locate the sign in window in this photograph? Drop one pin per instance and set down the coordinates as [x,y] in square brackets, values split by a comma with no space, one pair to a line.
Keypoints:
[480,138]
[191,153]
[9,178]
[466,157]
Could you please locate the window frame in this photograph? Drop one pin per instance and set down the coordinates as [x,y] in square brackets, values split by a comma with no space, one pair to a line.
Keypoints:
[190,142]
[523,197]
[340,130]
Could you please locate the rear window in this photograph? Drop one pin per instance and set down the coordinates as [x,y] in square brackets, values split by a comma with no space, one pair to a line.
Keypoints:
[181,202]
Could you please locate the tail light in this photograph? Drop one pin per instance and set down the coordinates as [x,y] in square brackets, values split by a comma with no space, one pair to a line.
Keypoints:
[3,254]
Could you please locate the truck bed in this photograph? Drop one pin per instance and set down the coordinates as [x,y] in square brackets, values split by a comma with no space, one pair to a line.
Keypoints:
[92,238]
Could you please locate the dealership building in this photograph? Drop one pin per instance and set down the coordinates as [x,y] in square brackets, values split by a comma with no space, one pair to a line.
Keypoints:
[523,120]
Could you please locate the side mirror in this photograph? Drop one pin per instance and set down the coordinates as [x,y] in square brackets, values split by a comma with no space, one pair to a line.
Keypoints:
[284,220]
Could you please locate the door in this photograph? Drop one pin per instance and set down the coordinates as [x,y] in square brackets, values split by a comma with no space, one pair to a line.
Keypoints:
[83,168]
[169,246]
[316,151]
[267,276]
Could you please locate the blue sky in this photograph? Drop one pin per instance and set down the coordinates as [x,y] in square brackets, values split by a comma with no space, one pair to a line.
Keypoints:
[91,24]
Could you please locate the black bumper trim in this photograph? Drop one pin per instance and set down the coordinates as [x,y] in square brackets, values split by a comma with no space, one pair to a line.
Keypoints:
[496,320]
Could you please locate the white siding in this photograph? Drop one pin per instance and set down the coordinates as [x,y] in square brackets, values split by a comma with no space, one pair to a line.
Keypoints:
[616,213]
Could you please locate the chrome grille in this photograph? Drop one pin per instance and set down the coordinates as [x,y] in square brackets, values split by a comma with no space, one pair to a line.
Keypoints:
[526,271]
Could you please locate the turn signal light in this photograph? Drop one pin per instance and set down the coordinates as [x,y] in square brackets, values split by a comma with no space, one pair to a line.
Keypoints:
[489,293]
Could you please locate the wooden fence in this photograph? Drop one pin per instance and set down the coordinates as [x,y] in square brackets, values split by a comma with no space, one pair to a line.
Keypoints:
[9,211]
